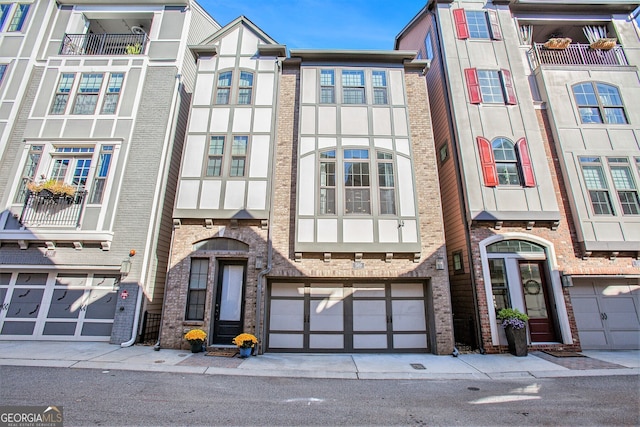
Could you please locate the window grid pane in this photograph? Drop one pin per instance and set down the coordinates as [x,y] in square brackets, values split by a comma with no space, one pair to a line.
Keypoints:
[29,171]
[197,288]
[88,91]
[3,69]
[112,93]
[506,162]
[477,23]
[328,183]
[491,87]
[214,162]
[224,88]
[356,181]
[499,284]
[62,93]
[353,87]
[245,88]
[18,18]
[4,12]
[327,87]
[102,171]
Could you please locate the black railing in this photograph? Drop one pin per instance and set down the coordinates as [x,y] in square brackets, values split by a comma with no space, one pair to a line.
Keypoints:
[104,44]
[150,328]
[45,208]
[577,54]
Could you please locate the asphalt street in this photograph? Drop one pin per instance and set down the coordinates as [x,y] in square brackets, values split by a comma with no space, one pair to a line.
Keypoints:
[116,398]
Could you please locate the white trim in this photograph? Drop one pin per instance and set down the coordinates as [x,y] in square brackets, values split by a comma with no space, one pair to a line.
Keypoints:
[556,283]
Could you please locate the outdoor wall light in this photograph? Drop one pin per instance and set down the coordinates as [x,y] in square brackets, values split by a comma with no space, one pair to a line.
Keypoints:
[125,267]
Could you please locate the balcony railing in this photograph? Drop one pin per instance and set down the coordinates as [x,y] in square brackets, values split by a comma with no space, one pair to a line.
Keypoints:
[46,209]
[577,54]
[104,44]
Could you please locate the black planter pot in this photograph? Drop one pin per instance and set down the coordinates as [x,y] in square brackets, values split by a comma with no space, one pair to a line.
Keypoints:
[517,340]
[196,346]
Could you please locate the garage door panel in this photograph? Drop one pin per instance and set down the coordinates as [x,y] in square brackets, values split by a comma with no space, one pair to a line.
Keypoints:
[18,328]
[326,315]
[625,339]
[361,341]
[286,315]
[65,303]
[587,313]
[409,340]
[96,329]
[25,303]
[408,315]
[286,341]
[59,328]
[593,339]
[413,290]
[323,342]
[370,316]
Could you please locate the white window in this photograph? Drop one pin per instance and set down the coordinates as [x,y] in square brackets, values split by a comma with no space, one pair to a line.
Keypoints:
[379,79]
[625,185]
[90,89]
[223,90]
[353,87]
[245,88]
[86,168]
[327,87]
[596,185]
[19,16]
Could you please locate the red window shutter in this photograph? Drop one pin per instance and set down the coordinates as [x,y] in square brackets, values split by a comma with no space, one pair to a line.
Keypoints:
[525,163]
[473,85]
[487,162]
[460,20]
[496,34]
[507,84]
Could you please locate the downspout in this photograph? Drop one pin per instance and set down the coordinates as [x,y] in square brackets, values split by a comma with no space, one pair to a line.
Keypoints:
[165,151]
[262,275]
[461,193]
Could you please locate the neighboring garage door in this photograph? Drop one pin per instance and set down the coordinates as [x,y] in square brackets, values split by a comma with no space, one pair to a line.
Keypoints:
[347,317]
[607,313]
[50,306]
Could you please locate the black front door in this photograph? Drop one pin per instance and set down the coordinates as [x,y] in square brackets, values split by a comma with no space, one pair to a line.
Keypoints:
[229,305]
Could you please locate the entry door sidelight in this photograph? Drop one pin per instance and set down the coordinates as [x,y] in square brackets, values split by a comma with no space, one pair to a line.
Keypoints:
[537,302]
[229,305]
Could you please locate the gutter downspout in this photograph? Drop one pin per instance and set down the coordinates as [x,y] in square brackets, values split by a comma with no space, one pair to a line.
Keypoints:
[263,273]
[461,193]
[165,151]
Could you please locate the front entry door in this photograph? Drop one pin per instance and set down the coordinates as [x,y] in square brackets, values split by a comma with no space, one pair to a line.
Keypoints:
[536,299]
[229,306]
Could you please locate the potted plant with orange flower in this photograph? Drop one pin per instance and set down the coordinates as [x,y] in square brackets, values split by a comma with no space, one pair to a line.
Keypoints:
[246,343]
[196,338]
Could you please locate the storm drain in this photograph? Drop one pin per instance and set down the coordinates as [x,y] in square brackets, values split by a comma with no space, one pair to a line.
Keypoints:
[417,366]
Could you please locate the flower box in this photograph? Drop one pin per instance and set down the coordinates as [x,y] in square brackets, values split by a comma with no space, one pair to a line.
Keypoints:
[604,44]
[557,43]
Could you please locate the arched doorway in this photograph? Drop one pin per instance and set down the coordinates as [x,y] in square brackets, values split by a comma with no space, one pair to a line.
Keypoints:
[520,278]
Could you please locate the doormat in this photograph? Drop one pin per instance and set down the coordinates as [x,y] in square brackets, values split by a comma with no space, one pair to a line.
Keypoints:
[222,352]
[563,353]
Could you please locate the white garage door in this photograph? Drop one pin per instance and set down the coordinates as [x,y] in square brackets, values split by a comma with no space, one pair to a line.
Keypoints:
[607,313]
[347,317]
[50,306]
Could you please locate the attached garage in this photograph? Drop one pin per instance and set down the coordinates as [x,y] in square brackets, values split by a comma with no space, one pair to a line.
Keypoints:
[311,316]
[607,312]
[57,306]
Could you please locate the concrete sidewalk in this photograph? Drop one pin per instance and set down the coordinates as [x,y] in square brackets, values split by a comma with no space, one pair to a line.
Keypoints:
[346,366]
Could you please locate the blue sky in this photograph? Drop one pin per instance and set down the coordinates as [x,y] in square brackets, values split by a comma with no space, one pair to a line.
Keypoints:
[322,24]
